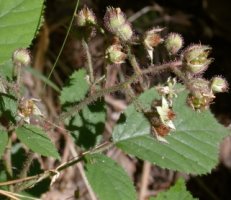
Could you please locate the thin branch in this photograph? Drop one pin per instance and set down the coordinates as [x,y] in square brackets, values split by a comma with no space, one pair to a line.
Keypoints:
[7,194]
[145,180]
[89,61]
[64,41]
[26,167]
[32,180]
[27,164]
[8,160]
[184,79]
[140,13]
[81,170]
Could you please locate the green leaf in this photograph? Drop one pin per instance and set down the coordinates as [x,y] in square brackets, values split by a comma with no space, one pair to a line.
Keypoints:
[6,70]
[108,179]
[3,140]
[8,107]
[35,138]
[192,148]
[19,21]
[76,88]
[88,125]
[176,192]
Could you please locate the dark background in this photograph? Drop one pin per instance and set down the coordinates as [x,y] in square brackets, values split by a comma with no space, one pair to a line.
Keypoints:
[199,21]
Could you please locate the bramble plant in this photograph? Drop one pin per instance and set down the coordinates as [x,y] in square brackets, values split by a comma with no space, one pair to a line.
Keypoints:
[168,124]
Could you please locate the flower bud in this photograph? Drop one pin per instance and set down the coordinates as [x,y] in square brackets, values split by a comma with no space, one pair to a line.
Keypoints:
[219,84]
[125,32]
[201,95]
[115,55]
[85,17]
[196,58]
[173,43]
[152,38]
[21,57]
[200,84]
[116,22]
[199,103]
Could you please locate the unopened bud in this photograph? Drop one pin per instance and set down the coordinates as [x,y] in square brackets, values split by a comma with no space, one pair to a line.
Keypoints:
[196,58]
[173,43]
[21,57]
[201,95]
[219,84]
[116,22]
[115,55]
[199,103]
[85,17]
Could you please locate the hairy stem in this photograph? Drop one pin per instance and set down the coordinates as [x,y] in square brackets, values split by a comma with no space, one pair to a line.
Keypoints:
[133,61]
[183,78]
[75,109]
[121,86]
[7,159]
[27,164]
[89,60]
[25,167]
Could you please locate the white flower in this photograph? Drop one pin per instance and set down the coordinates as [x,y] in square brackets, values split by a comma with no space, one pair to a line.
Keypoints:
[28,108]
[169,90]
[163,112]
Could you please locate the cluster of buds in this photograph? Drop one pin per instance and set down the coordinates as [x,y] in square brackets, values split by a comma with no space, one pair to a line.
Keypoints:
[116,22]
[203,92]
[114,54]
